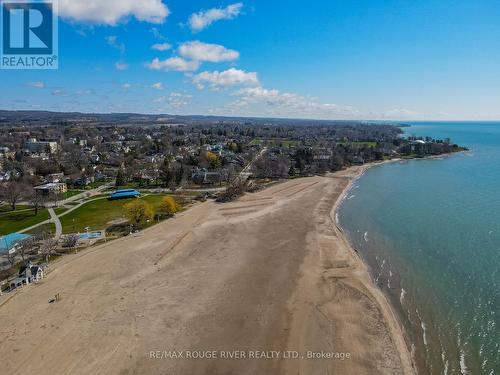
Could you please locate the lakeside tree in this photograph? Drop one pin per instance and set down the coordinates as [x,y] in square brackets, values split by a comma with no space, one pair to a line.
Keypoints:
[47,247]
[138,212]
[11,257]
[70,241]
[168,206]
[27,247]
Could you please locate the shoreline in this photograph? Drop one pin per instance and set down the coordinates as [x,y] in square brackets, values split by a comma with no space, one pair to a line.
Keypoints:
[391,318]
[401,340]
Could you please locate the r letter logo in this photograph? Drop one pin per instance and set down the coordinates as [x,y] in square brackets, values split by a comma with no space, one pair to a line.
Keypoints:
[29,35]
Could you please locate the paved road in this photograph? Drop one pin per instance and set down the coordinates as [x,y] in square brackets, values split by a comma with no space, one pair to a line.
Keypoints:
[245,172]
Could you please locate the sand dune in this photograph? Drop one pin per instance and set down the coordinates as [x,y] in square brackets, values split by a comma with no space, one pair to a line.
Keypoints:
[269,276]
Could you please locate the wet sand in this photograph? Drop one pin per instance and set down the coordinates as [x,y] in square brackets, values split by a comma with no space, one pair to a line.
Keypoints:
[269,272]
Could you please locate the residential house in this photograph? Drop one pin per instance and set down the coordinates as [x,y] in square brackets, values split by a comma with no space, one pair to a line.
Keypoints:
[202,176]
[41,146]
[54,177]
[54,187]
[32,273]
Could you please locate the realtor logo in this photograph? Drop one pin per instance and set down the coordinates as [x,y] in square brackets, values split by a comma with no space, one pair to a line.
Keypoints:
[29,35]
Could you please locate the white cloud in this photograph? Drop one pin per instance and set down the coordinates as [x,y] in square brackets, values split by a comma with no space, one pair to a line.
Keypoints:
[199,51]
[161,46]
[126,86]
[111,12]
[175,100]
[157,86]
[199,21]
[60,92]
[157,34]
[193,54]
[121,65]
[113,42]
[289,104]
[226,78]
[174,63]
[37,84]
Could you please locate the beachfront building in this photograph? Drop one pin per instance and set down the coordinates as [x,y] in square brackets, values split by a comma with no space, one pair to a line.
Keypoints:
[125,194]
[31,273]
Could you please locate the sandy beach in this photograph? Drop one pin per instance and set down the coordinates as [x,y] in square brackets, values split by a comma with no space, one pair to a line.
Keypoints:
[269,279]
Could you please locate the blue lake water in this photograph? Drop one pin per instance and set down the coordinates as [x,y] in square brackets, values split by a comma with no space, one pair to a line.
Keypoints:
[430,231]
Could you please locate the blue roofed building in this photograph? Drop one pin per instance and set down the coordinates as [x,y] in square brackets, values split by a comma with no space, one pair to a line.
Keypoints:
[10,241]
[125,194]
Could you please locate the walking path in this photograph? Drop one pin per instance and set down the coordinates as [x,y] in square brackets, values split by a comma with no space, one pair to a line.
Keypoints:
[52,220]
[57,222]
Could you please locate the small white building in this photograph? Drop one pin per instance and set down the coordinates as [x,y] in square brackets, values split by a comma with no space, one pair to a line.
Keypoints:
[32,273]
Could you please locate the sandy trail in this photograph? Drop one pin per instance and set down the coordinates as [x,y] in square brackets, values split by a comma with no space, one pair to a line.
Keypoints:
[268,272]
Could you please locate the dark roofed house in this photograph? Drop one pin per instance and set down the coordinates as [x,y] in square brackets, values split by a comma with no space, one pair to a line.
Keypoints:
[124,194]
[28,274]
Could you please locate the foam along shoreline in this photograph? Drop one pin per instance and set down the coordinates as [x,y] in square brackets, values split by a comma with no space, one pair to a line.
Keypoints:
[401,341]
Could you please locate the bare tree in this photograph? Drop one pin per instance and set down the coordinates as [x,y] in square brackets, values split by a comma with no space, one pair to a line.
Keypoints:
[36,199]
[71,241]
[27,246]
[47,247]
[13,192]
[55,197]
[11,257]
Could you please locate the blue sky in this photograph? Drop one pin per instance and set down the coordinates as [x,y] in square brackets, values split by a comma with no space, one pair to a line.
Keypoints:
[328,59]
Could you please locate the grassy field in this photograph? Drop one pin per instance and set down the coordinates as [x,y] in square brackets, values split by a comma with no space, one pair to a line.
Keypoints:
[99,213]
[6,208]
[47,229]
[70,193]
[360,144]
[14,221]
[60,210]
[94,185]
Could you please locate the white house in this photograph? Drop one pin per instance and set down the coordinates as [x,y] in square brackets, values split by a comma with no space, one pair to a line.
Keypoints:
[32,273]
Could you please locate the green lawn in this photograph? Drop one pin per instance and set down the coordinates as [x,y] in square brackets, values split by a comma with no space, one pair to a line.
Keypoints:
[6,207]
[70,193]
[17,220]
[360,144]
[97,214]
[94,185]
[60,210]
[47,229]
